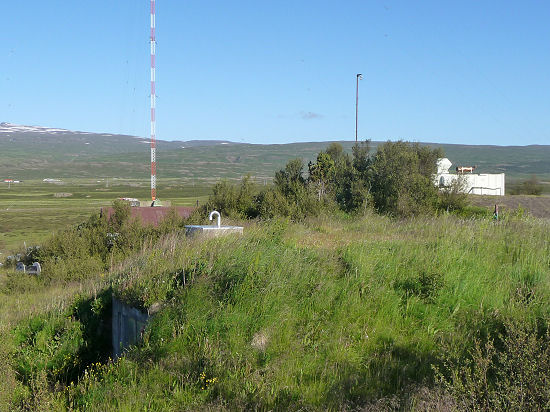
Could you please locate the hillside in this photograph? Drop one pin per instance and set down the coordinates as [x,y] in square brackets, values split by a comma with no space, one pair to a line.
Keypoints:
[37,153]
[335,313]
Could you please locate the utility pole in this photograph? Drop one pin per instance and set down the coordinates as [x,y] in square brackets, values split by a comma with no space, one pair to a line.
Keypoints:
[359,77]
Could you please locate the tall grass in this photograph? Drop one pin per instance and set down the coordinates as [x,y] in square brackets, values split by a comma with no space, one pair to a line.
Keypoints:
[331,313]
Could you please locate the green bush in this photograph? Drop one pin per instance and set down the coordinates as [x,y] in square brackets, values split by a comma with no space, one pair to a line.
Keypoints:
[454,197]
[508,372]
[271,203]
[398,180]
[49,344]
[531,186]
[234,201]
[93,247]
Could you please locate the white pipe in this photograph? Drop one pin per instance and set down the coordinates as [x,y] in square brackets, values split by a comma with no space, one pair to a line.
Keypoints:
[215,212]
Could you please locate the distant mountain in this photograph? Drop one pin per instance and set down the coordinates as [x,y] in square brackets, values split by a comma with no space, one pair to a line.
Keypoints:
[17,133]
[35,152]
[15,128]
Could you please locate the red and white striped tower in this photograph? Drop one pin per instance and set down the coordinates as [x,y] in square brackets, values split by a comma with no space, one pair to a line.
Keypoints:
[153,107]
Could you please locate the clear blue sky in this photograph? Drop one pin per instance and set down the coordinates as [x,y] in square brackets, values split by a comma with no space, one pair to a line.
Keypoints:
[282,71]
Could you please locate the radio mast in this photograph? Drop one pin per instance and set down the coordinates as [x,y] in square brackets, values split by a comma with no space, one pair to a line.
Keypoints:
[153,107]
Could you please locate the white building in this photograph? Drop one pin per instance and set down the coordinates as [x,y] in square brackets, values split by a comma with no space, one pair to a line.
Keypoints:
[475,184]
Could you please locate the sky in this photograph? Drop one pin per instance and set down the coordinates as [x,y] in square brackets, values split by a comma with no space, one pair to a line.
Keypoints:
[466,72]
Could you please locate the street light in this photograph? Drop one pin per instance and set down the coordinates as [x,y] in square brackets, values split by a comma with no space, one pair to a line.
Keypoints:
[359,77]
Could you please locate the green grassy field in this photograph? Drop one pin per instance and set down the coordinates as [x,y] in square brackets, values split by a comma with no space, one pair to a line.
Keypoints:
[29,211]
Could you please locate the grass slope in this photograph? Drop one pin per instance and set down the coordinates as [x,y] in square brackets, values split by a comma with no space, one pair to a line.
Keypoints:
[333,313]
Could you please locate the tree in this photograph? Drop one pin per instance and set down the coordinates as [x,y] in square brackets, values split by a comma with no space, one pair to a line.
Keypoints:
[335,151]
[321,172]
[293,188]
[532,186]
[361,158]
[234,200]
[121,214]
[401,178]
[224,198]
[290,181]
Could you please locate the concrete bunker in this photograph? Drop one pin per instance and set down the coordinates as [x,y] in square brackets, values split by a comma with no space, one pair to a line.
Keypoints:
[128,325]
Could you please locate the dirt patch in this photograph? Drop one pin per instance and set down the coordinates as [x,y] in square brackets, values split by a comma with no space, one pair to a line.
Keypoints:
[538,206]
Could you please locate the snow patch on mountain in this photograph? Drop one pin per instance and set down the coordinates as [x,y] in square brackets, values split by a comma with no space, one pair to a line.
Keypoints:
[15,128]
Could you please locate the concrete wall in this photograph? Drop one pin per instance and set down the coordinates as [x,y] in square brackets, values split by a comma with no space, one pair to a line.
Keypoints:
[476,184]
[212,231]
[128,325]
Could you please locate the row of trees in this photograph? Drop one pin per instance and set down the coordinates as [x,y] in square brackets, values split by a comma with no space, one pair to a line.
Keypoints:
[396,180]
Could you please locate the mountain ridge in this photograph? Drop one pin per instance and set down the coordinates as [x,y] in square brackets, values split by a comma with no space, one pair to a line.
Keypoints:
[35,152]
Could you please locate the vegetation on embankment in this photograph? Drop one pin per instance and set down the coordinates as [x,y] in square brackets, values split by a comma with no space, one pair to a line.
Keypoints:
[331,313]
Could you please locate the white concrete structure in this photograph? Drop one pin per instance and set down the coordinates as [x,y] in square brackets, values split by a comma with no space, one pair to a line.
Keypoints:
[212,230]
[475,184]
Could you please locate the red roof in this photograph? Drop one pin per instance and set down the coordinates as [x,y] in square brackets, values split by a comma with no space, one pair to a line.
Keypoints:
[154,215]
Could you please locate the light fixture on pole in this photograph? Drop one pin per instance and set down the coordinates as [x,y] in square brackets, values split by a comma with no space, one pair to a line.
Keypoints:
[359,77]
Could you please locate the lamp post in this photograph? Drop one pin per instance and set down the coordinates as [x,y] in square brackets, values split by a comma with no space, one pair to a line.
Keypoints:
[359,77]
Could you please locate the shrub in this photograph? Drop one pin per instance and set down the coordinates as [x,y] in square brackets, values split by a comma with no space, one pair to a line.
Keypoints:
[454,197]
[398,180]
[510,375]
[531,186]
[231,200]
[91,247]
[271,203]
